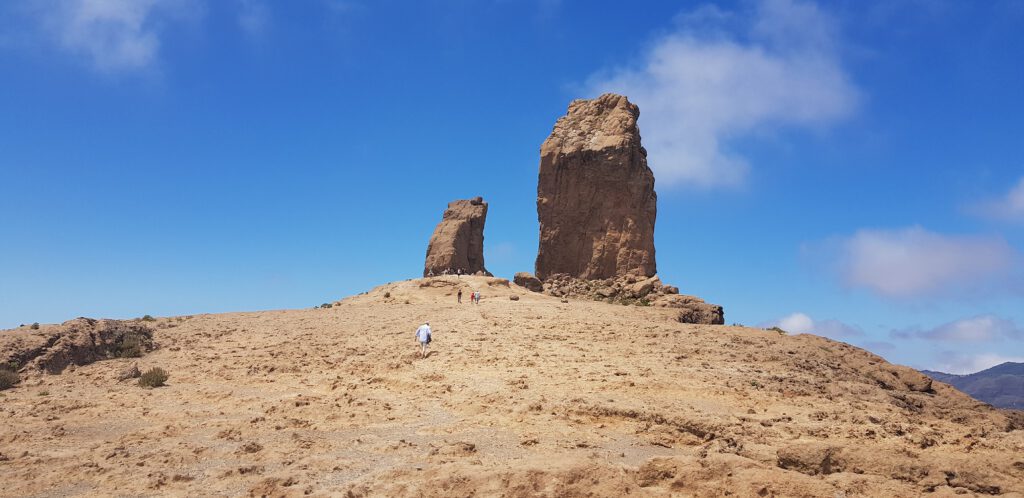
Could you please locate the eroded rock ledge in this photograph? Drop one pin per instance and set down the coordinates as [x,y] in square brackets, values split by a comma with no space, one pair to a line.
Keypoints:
[81,341]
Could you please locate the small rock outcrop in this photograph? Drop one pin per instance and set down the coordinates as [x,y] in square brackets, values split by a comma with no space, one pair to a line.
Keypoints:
[639,291]
[81,341]
[595,195]
[457,245]
[527,280]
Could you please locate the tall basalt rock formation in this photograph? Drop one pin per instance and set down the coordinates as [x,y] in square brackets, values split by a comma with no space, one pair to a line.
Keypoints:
[457,244]
[595,196]
[596,206]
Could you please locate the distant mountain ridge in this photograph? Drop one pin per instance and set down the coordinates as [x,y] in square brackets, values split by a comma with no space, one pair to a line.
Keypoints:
[1001,385]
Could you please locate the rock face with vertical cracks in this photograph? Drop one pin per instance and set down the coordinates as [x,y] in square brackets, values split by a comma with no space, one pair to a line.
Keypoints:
[595,196]
[597,206]
[457,244]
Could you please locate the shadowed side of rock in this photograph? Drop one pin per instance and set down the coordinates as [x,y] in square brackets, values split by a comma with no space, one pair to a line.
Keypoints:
[457,245]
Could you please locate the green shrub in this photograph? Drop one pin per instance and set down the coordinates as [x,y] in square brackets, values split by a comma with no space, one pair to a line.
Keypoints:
[154,377]
[8,379]
[326,305]
[148,318]
[779,330]
[35,326]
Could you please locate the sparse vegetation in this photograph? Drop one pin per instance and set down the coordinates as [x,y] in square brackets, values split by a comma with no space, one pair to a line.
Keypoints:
[132,345]
[387,295]
[779,330]
[154,377]
[44,393]
[326,305]
[148,318]
[35,326]
[8,376]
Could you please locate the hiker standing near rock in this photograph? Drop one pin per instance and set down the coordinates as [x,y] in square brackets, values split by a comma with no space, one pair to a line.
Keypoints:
[423,336]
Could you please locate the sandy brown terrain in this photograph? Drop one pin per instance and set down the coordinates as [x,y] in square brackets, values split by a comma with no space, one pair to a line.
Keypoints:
[533,397]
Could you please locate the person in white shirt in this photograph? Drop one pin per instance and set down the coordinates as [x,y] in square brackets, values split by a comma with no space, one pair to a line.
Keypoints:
[423,337]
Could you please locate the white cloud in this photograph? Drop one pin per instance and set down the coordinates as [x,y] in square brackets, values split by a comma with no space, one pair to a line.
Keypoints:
[980,328]
[112,34]
[800,323]
[797,323]
[701,86]
[1010,207]
[957,363]
[914,262]
[253,16]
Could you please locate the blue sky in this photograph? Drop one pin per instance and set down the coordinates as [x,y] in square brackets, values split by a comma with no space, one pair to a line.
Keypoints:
[848,168]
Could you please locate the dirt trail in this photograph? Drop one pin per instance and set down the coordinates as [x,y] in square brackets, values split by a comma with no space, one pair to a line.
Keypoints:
[527,397]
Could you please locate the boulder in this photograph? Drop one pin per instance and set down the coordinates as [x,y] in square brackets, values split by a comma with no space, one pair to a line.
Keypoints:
[457,245]
[130,372]
[595,194]
[693,309]
[527,280]
[644,287]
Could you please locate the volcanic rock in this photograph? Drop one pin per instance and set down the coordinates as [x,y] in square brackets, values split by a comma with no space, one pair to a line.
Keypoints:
[595,195]
[80,341]
[524,279]
[130,372]
[692,309]
[457,245]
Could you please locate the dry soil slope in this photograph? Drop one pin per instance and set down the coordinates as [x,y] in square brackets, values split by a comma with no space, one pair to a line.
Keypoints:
[527,397]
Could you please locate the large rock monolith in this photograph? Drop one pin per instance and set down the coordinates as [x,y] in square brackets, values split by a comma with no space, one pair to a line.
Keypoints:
[595,195]
[596,206]
[457,245]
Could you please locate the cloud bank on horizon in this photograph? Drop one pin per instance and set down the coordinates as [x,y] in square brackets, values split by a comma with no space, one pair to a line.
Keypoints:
[914,262]
[723,75]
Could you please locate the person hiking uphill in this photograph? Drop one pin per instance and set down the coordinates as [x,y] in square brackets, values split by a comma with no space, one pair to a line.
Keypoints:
[423,337]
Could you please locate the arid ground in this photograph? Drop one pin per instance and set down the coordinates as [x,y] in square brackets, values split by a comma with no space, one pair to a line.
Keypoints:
[533,397]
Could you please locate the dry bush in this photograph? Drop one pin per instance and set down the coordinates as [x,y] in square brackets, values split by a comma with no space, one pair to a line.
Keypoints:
[132,345]
[8,376]
[154,377]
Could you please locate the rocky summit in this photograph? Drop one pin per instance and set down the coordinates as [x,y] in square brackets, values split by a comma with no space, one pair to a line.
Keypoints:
[595,195]
[524,394]
[457,245]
